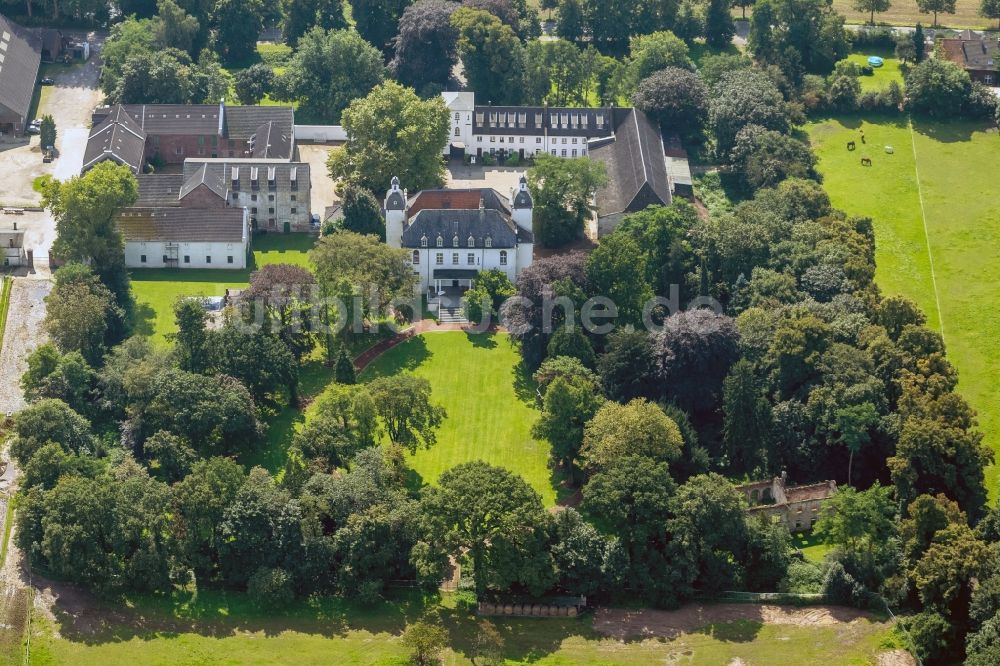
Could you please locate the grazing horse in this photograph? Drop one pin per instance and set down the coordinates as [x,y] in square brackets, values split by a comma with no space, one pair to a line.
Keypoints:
[866,161]
[851,145]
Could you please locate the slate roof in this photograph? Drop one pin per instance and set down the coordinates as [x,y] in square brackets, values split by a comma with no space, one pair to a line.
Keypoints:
[463,223]
[975,53]
[224,171]
[538,120]
[159,189]
[210,178]
[20,54]
[171,224]
[271,127]
[117,137]
[634,161]
[522,198]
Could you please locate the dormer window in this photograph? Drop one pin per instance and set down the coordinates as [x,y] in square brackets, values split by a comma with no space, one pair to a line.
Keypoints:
[454,241]
[423,241]
[472,242]
[538,120]
[488,242]
[440,241]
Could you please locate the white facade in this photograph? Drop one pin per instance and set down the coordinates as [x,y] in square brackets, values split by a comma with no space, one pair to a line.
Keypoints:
[159,254]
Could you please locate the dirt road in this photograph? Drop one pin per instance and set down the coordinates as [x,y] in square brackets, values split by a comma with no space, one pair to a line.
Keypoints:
[24,333]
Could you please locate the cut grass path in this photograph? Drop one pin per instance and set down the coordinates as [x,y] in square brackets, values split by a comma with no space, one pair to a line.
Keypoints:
[937,224]
[490,401]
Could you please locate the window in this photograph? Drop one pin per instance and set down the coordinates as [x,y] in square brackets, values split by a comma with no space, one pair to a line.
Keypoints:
[270,197]
[208,260]
[511,140]
[471,259]
[493,139]
[423,241]
[479,139]
[293,198]
[142,258]
[488,242]
[454,258]
[179,150]
[538,151]
[236,196]
[503,257]
[271,210]
[253,197]
[574,139]
[988,79]
[440,242]
[574,155]
[439,259]
[538,139]
[553,151]
[472,242]
[520,139]
[254,210]
[454,241]
[187,259]
[201,141]
[564,140]
[458,132]
[416,258]
[501,139]
[457,117]
[229,259]
[564,152]
[295,210]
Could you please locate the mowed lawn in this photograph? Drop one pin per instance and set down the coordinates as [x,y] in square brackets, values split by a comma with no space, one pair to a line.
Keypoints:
[490,402]
[941,175]
[156,289]
[222,628]
[881,76]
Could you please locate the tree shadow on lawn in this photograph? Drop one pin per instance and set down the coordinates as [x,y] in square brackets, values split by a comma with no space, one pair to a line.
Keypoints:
[482,339]
[143,319]
[738,631]
[525,387]
[525,639]
[82,617]
[952,131]
[408,355]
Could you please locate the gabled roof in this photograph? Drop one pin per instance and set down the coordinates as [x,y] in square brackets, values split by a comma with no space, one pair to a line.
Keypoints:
[182,119]
[210,178]
[118,137]
[270,142]
[463,222]
[635,165]
[225,171]
[20,53]
[216,225]
[459,199]
[978,53]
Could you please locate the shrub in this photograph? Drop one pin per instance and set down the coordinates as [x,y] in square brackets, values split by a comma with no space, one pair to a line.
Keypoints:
[270,588]
[802,578]
[840,587]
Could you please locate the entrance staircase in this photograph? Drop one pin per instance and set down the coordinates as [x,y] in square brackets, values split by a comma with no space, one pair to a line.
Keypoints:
[452,315]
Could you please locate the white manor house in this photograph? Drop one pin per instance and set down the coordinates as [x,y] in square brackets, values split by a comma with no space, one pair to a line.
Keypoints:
[452,235]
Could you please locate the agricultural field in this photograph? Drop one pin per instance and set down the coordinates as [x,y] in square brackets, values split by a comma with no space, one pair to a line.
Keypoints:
[490,402]
[905,12]
[937,228]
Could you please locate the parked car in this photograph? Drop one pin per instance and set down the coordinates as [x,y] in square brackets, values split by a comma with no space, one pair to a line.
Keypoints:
[34,129]
[314,220]
[47,81]
[48,155]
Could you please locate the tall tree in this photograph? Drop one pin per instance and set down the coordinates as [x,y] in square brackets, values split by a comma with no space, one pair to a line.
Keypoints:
[639,428]
[492,55]
[80,312]
[362,212]
[562,191]
[330,70]
[675,98]
[719,25]
[175,28]
[392,132]
[191,339]
[377,273]
[285,293]
[238,24]
[377,20]
[747,417]
[872,6]
[254,82]
[626,367]
[425,48]
[656,51]
[694,352]
[936,7]
[569,403]
[85,208]
[404,404]
[616,269]
[488,512]
[990,9]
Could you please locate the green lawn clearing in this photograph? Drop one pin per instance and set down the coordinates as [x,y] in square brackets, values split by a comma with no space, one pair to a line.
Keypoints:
[881,76]
[812,547]
[937,227]
[156,289]
[490,401]
[219,628]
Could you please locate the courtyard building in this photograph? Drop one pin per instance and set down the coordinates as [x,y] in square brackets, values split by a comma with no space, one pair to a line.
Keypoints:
[20,55]
[796,507]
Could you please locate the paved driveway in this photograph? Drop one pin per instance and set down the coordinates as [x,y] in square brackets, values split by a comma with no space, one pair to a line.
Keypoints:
[70,101]
[322,194]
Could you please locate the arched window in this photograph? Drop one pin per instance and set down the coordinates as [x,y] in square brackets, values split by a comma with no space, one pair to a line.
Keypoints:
[488,242]
[454,241]
[440,242]
[503,257]
[416,257]
[472,242]
[423,241]
[457,117]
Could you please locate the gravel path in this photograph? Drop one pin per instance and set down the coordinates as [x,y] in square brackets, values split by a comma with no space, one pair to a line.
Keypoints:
[24,333]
